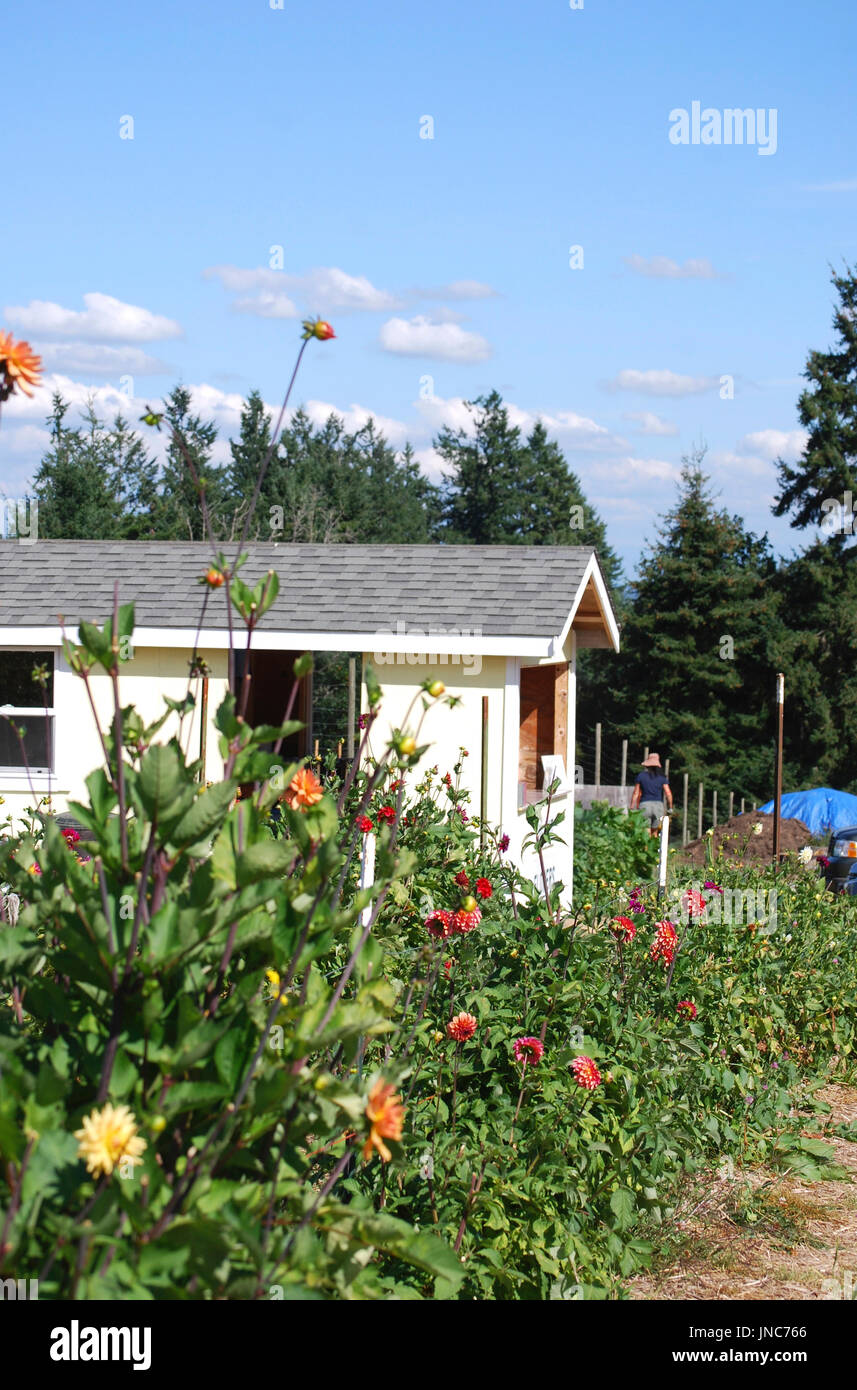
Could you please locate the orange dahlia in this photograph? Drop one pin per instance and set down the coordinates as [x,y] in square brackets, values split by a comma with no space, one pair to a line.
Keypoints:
[385,1114]
[19,365]
[462,1027]
[304,790]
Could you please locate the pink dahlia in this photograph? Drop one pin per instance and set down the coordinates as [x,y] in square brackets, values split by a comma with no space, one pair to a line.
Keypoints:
[693,903]
[586,1074]
[529,1051]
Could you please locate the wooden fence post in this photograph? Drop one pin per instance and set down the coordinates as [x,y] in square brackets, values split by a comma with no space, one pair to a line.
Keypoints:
[352,702]
[597,758]
[699,813]
[731,804]
[714,808]
[684,811]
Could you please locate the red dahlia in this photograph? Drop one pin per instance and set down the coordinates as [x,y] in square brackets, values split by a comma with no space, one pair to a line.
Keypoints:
[624,928]
[686,1009]
[483,888]
[665,942]
[464,921]
[439,922]
[462,880]
[364,824]
[387,813]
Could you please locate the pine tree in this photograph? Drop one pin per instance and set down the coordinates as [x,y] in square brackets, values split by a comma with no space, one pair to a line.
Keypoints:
[818,593]
[486,467]
[178,512]
[700,645]
[248,453]
[75,483]
[554,510]
[812,490]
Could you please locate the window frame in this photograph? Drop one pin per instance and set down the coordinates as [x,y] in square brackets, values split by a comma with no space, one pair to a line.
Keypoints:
[20,771]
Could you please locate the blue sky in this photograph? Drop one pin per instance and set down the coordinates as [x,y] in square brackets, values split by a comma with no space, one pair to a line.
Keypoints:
[442,263]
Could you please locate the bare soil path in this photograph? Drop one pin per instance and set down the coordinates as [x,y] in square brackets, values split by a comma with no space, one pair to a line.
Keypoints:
[766,1235]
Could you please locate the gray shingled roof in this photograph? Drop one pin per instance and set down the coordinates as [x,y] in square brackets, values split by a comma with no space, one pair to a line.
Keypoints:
[500,590]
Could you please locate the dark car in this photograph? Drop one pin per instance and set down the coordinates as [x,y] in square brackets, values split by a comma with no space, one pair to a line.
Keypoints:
[840,871]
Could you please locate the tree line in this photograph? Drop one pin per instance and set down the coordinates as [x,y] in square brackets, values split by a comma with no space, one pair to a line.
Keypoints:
[707,620]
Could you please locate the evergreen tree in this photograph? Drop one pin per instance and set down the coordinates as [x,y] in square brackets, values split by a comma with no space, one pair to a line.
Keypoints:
[700,645]
[827,469]
[177,513]
[554,510]
[75,482]
[486,468]
[328,485]
[818,592]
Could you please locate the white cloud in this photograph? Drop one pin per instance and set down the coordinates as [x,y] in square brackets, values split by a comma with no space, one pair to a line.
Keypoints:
[459,289]
[355,417]
[326,289]
[266,305]
[101,360]
[104,319]
[649,423]
[838,186]
[423,337]
[774,444]
[24,439]
[662,383]
[626,471]
[662,268]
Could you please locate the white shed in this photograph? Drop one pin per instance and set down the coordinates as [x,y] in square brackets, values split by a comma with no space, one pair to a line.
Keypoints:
[499,625]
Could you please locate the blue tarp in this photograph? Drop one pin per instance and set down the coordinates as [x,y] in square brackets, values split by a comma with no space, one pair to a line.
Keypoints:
[822,810]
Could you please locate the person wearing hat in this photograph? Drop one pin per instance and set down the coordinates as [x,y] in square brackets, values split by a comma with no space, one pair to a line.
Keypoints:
[651,790]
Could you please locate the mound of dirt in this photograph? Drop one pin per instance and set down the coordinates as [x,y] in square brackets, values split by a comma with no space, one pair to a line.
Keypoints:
[736,840]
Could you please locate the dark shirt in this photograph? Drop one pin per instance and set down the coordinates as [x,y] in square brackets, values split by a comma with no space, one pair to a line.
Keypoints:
[651,784]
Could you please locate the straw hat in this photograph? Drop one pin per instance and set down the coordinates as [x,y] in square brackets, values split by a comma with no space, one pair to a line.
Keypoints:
[653,760]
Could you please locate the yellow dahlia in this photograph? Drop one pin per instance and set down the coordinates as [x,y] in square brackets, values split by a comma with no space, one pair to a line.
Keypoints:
[20,364]
[108,1139]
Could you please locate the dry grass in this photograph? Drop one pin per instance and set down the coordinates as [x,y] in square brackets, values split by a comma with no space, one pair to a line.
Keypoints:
[765,1235]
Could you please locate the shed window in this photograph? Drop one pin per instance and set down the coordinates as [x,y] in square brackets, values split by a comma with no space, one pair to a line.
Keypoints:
[25,703]
[543,725]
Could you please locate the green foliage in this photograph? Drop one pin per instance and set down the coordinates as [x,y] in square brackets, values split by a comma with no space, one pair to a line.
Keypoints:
[214,966]
[698,648]
[608,846]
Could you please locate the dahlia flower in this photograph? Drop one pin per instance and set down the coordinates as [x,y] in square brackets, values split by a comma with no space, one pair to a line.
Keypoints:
[529,1051]
[304,790]
[586,1074]
[439,922]
[462,1027]
[665,942]
[686,1009]
[20,368]
[108,1138]
[385,1113]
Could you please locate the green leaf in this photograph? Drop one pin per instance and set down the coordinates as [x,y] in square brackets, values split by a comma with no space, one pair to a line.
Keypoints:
[622,1205]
